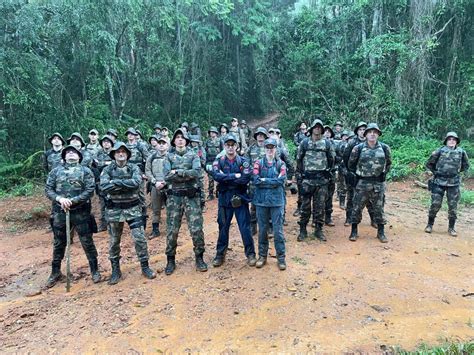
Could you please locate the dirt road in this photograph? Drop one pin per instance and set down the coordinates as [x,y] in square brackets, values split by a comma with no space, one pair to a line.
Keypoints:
[334,296]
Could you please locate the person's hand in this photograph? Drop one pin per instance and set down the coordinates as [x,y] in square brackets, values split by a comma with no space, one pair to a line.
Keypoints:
[65,203]
[159,185]
[238,175]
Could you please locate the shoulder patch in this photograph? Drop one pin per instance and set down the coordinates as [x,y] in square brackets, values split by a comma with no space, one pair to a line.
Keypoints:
[245,164]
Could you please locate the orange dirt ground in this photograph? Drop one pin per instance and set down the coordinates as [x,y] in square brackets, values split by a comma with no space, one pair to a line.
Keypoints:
[334,296]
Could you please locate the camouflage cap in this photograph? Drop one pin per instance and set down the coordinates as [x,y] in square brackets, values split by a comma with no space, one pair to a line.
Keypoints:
[183,133]
[243,122]
[360,124]
[165,129]
[224,125]
[185,124]
[112,132]
[157,126]
[372,126]
[234,119]
[140,133]
[345,133]
[93,130]
[212,129]
[194,125]
[78,136]
[260,130]
[131,130]
[163,139]
[270,141]
[230,137]
[56,134]
[316,122]
[452,134]
[118,146]
[106,137]
[338,123]
[155,137]
[328,128]
[195,138]
[68,148]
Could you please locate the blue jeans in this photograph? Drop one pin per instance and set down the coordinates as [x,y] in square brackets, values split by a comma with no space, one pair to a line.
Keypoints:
[224,217]
[264,214]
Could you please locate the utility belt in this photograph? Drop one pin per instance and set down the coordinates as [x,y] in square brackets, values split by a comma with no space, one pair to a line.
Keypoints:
[380,178]
[189,192]
[322,174]
[121,205]
[445,176]
[83,207]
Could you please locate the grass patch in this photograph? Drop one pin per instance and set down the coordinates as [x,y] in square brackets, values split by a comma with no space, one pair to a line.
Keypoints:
[451,348]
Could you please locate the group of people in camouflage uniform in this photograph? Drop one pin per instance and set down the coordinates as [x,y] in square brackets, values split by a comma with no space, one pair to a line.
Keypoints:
[251,172]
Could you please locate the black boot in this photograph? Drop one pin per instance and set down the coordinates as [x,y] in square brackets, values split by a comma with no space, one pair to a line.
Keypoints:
[318,232]
[353,237]
[381,233]
[342,202]
[94,266]
[451,231]
[328,221]
[429,226]
[155,231]
[55,275]
[146,271]
[200,264]
[171,265]
[116,273]
[303,233]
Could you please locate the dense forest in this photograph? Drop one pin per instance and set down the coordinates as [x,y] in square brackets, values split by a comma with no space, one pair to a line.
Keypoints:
[73,65]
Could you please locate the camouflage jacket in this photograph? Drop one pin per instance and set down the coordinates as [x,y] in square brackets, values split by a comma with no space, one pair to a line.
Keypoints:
[298,137]
[446,164]
[87,159]
[348,149]
[187,169]
[139,154]
[93,149]
[213,147]
[154,167]
[315,157]
[121,184]
[72,181]
[103,159]
[51,159]
[240,136]
[201,153]
[369,162]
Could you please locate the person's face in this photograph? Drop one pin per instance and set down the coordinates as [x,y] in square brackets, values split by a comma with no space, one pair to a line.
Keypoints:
[194,144]
[93,137]
[213,134]
[164,132]
[76,143]
[303,127]
[234,123]
[154,143]
[230,148]
[327,133]
[451,142]
[162,146]
[224,130]
[360,132]
[270,151]
[372,136]
[260,138]
[112,137]
[131,137]
[71,156]
[56,141]
[344,138]
[338,128]
[157,131]
[106,144]
[179,141]
[318,130]
[243,125]
[121,155]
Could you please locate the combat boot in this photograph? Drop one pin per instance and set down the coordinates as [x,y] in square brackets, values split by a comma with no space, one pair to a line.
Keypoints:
[381,233]
[116,273]
[55,275]
[303,233]
[171,264]
[353,237]
[429,226]
[262,260]
[281,264]
[146,271]
[451,231]
[318,232]
[155,231]
[94,266]
[218,260]
[342,202]
[328,221]
[251,260]
[200,264]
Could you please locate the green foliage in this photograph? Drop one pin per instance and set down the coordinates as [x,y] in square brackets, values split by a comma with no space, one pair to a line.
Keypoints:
[450,348]
[467,198]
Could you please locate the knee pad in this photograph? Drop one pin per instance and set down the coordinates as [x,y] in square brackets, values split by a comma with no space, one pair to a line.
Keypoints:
[136,222]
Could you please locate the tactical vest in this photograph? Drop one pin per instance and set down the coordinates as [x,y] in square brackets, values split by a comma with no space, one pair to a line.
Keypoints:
[315,154]
[156,165]
[70,180]
[184,162]
[236,132]
[137,157]
[86,158]
[449,162]
[117,173]
[371,161]
[103,159]
[213,147]
[256,152]
[93,149]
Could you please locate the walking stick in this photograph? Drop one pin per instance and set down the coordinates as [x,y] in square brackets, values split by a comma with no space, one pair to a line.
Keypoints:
[68,251]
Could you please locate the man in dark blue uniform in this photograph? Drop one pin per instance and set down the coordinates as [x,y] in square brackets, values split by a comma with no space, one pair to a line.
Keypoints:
[232,173]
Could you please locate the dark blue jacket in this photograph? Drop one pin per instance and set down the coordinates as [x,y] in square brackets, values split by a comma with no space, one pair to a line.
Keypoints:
[223,172]
[269,180]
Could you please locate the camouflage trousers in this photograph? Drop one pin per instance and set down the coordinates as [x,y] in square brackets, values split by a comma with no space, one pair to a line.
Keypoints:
[366,193]
[210,185]
[176,206]
[133,216]
[453,195]
[202,193]
[350,191]
[158,200]
[317,194]
[81,222]
[341,185]
[103,219]
[328,204]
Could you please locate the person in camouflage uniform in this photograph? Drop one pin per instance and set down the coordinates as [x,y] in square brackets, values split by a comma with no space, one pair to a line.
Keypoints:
[52,157]
[232,173]
[329,135]
[446,164]
[213,147]
[341,182]
[139,156]
[112,133]
[77,141]
[338,127]
[255,152]
[297,139]
[196,145]
[120,183]
[154,172]
[314,162]
[93,146]
[182,168]
[239,135]
[247,131]
[157,129]
[165,132]
[195,130]
[358,138]
[370,161]
[103,159]
[70,186]
[153,143]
